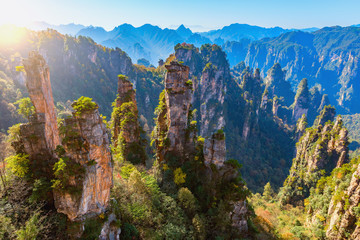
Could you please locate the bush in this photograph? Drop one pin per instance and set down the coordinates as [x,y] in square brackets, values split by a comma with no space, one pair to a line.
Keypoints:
[179,176]
[129,232]
[187,201]
[18,164]
[32,228]
[83,104]
[26,108]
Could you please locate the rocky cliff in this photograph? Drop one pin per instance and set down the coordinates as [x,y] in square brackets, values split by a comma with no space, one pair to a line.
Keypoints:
[172,132]
[209,72]
[277,85]
[85,190]
[44,123]
[76,157]
[344,213]
[302,100]
[125,124]
[233,102]
[318,152]
[315,56]
[223,172]
[181,153]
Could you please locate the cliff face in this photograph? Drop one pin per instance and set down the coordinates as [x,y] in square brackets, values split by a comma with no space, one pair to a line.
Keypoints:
[209,71]
[320,148]
[125,125]
[234,104]
[215,150]
[302,100]
[44,124]
[82,166]
[86,145]
[314,56]
[344,213]
[173,134]
[218,170]
[277,85]
[175,138]
[178,94]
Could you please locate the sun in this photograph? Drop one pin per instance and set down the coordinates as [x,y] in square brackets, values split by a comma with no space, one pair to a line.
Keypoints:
[11,35]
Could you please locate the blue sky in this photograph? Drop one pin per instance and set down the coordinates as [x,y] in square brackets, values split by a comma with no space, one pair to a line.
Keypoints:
[211,14]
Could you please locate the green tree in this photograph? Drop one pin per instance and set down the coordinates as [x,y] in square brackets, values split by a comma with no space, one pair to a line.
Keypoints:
[32,228]
[25,108]
[18,164]
[268,192]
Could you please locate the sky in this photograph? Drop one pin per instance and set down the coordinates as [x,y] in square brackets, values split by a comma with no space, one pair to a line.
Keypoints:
[210,14]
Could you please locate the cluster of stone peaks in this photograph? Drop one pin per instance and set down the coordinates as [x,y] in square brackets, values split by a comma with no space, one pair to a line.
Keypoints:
[320,149]
[80,145]
[175,138]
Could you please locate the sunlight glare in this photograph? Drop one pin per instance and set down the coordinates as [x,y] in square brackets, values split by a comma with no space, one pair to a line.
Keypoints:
[11,35]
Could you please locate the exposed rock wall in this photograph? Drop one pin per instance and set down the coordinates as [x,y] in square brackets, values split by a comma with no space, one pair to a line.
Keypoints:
[302,100]
[86,143]
[41,135]
[215,150]
[85,152]
[320,148]
[178,94]
[209,71]
[342,223]
[219,171]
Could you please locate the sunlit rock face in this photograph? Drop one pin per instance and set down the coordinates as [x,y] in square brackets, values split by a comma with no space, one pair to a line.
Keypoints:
[86,143]
[40,136]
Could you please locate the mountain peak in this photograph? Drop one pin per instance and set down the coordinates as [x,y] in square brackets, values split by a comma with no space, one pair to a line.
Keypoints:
[183,31]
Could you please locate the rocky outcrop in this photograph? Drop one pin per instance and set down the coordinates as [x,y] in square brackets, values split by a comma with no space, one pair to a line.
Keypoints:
[301,126]
[239,216]
[209,71]
[86,144]
[344,213]
[173,120]
[75,157]
[125,125]
[302,100]
[320,148]
[215,150]
[212,89]
[277,85]
[327,114]
[110,231]
[41,135]
[218,170]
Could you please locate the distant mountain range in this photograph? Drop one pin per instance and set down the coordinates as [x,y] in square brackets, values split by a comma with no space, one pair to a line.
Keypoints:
[328,57]
[154,43]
